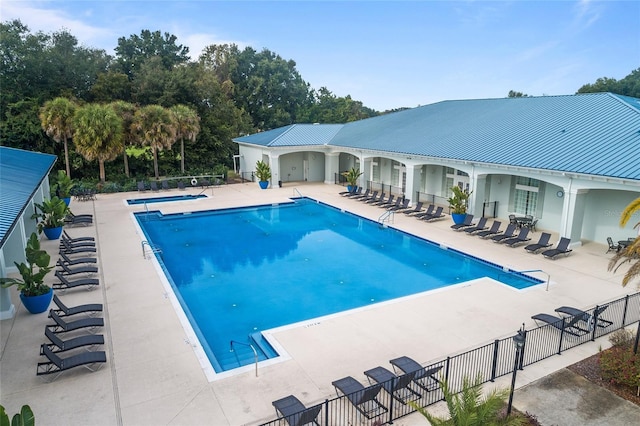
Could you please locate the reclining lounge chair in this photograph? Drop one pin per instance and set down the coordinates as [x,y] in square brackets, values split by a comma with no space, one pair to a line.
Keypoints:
[417,209]
[84,269]
[561,248]
[543,242]
[360,195]
[520,239]
[76,239]
[508,233]
[425,378]
[64,258]
[364,399]
[65,311]
[69,249]
[61,325]
[401,204]
[428,212]
[585,316]
[436,215]
[494,230]
[59,345]
[397,387]
[65,284]
[56,365]
[468,222]
[566,325]
[294,411]
[480,226]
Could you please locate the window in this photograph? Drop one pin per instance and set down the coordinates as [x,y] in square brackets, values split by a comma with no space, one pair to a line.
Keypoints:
[527,196]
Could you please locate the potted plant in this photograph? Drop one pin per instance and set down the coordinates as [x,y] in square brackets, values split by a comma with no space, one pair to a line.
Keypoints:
[64,185]
[51,214]
[458,204]
[352,176]
[263,172]
[34,293]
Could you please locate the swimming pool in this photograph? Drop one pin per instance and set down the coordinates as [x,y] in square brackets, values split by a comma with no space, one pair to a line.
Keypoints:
[237,272]
[165,199]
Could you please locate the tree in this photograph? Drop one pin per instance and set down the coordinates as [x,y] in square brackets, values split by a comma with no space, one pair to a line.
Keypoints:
[187,124]
[513,94]
[126,112]
[469,408]
[154,126]
[98,134]
[56,117]
[628,86]
[111,86]
[632,251]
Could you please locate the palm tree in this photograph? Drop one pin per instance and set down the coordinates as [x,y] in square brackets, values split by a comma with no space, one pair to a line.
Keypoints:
[98,134]
[56,117]
[632,251]
[126,112]
[187,126]
[469,408]
[155,127]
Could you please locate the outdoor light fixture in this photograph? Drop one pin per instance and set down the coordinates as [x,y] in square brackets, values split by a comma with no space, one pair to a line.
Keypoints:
[518,342]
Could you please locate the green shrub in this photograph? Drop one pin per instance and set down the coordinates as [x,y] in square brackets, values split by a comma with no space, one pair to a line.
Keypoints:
[621,366]
[622,338]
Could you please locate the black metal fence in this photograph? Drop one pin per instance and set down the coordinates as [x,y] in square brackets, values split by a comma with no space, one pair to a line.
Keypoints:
[490,361]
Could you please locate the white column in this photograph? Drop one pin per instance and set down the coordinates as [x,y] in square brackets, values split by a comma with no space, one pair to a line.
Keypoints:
[331,166]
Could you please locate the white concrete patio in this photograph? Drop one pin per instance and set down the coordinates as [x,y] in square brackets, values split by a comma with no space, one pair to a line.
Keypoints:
[154,377]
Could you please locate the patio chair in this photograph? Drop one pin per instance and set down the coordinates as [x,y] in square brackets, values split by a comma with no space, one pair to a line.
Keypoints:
[508,233]
[567,325]
[494,230]
[74,220]
[415,210]
[59,345]
[585,316]
[612,246]
[513,220]
[77,261]
[71,239]
[295,413]
[392,206]
[359,195]
[561,249]
[480,226]
[181,185]
[154,186]
[56,365]
[468,221]
[83,269]
[164,185]
[62,326]
[372,196]
[435,215]
[364,399]
[398,387]
[543,242]
[66,243]
[429,211]
[69,249]
[64,310]
[531,225]
[423,377]
[375,200]
[354,190]
[65,284]
[141,186]
[521,238]
[402,204]
[386,203]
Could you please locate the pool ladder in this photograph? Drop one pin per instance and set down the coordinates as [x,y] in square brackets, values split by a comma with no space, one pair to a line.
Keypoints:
[153,249]
[386,217]
[255,353]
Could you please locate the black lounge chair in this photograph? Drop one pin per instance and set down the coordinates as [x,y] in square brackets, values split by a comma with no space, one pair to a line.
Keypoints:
[64,258]
[561,248]
[164,185]
[403,204]
[585,316]
[295,413]
[468,221]
[521,238]
[375,200]
[59,345]
[567,325]
[364,399]
[508,233]
[154,186]
[397,387]
[373,196]
[436,215]
[65,311]
[75,239]
[392,206]
[56,365]
[64,243]
[181,185]
[65,284]
[61,326]
[69,249]
[388,202]
[66,270]
[480,226]
[429,211]
[354,190]
[73,220]
[424,377]
[417,209]
[360,195]
[543,242]
[141,186]
[494,230]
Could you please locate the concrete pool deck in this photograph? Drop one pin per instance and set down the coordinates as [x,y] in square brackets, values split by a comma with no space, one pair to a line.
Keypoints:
[153,375]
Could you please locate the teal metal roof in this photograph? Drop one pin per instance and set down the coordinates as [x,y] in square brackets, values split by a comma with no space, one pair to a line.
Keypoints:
[294,135]
[594,134]
[21,173]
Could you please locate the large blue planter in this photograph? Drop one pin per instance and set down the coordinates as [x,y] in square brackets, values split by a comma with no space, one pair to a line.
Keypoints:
[458,218]
[264,184]
[37,304]
[67,200]
[53,233]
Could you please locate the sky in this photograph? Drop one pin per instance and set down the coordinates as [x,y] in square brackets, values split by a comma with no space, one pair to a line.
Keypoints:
[386,54]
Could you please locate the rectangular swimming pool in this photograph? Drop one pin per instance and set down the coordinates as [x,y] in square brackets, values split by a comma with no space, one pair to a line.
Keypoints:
[237,272]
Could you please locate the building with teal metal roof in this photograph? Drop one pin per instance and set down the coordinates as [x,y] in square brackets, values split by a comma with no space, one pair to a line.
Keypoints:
[571,161]
[23,181]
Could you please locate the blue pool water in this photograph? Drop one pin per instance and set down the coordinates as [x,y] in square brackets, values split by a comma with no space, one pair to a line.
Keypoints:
[165,199]
[237,272]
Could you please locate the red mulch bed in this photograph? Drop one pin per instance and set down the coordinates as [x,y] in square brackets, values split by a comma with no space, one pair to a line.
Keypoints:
[589,368]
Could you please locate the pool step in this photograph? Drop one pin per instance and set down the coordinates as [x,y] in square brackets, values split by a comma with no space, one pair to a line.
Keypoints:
[262,346]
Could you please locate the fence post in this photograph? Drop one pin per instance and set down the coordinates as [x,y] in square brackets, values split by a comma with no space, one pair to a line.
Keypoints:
[624,312]
[561,338]
[524,346]
[496,343]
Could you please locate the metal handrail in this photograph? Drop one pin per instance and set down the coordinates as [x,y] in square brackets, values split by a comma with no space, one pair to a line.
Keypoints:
[255,353]
[386,216]
[295,190]
[536,270]
[151,247]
